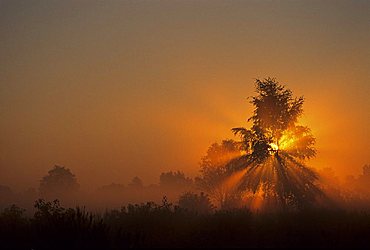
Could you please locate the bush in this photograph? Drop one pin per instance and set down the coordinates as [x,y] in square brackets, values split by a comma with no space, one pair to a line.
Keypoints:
[153,225]
[196,203]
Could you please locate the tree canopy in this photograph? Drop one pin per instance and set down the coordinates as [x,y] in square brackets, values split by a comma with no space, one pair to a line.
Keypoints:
[136,182]
[59,182]
[214,172]
[175,180]
[276,147]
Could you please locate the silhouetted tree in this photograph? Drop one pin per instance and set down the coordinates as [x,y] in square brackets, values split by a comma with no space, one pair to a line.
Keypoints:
[13,213]
[275,148]
[214,172]
[63,228]
[59,182]
[196,203]
[136,182]
[176,180]
[360,186]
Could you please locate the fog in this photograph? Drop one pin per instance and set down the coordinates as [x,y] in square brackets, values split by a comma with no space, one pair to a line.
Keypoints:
[170,186]
[133,88]
[350,192]
[139,88]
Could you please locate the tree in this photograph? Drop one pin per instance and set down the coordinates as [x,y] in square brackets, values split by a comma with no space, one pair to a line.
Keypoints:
[360,185]
[176,180]
[196,203]
[136,182]
[276,148]
[214,173]
[59,182]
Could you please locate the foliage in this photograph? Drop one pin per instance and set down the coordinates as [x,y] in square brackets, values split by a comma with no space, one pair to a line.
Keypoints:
[14,227]
[196,203]
[214,171]
[360,185]
[67,227]
[59,182]
[153,225]
[136,182]
[275,149]
[176,180]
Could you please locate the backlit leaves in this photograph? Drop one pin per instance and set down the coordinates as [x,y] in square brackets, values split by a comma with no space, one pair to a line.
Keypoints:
[275,149]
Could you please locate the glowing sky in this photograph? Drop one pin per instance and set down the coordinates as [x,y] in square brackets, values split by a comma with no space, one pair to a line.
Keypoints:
[116,89]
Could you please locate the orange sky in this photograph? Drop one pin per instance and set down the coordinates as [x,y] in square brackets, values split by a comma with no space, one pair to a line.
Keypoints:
[124,88]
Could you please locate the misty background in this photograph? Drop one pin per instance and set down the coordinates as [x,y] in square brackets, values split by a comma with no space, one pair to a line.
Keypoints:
[121,89]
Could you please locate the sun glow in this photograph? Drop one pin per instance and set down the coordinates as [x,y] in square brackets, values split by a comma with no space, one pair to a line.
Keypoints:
[287,140]
[274,146]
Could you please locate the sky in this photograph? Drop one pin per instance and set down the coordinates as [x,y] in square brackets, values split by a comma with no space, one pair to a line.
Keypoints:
[117,89]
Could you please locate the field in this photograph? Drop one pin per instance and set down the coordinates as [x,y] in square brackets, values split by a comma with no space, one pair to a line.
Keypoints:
[152,225]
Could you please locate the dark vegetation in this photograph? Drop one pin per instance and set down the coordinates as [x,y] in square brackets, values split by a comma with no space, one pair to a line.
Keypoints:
[276,147]
[165,225]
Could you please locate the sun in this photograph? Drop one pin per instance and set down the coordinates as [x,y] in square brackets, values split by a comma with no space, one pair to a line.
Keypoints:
[287,140]
[274,146]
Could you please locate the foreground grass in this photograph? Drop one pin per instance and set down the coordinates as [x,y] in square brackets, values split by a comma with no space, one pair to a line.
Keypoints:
[152,225]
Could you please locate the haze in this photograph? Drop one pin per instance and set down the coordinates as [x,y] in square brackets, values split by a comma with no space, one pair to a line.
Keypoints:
[118,89]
